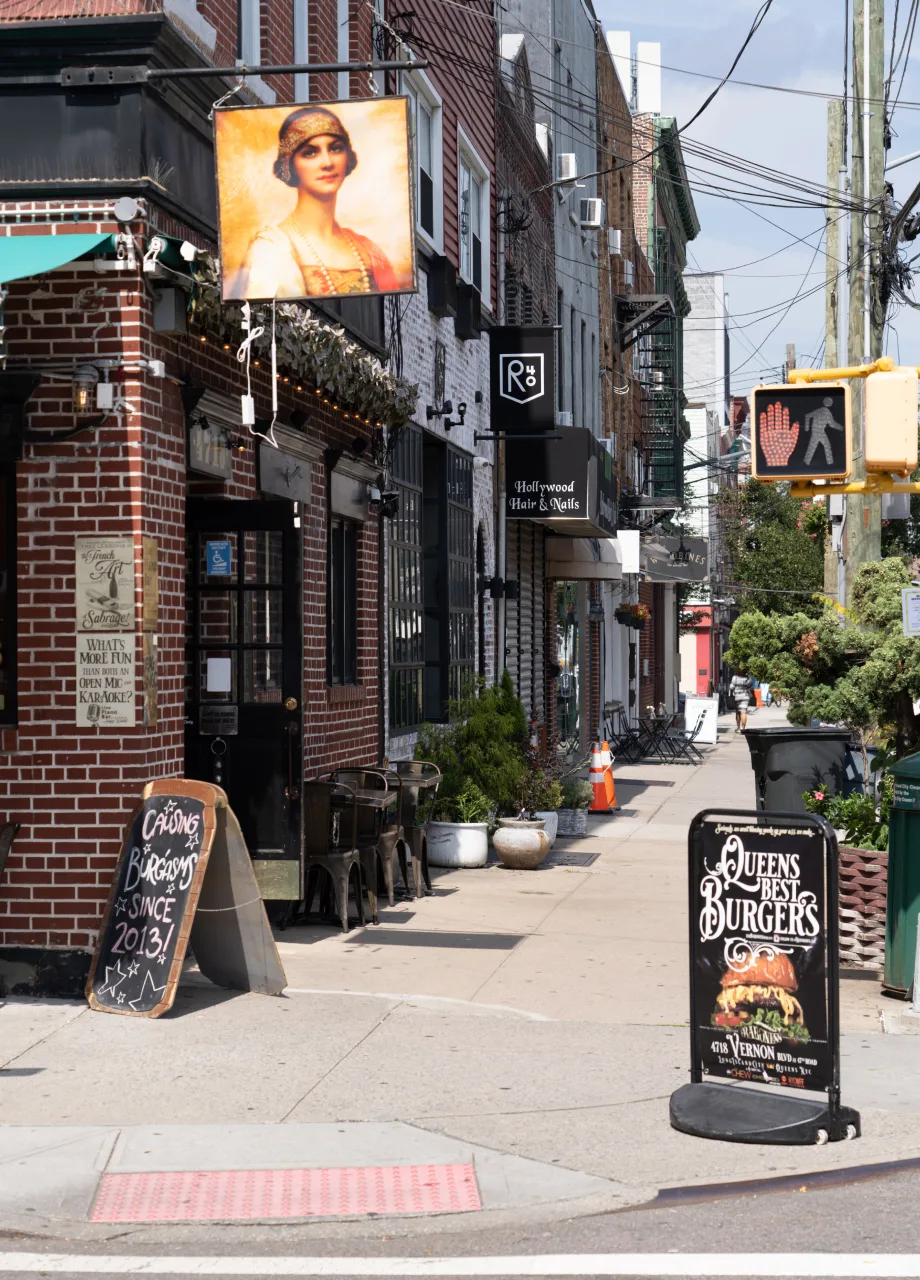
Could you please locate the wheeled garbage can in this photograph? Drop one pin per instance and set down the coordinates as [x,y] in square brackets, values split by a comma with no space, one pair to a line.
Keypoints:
[788,761]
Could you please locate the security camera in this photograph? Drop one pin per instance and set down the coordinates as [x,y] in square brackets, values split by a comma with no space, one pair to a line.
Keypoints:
[188,251]
[479,463]
[461,409]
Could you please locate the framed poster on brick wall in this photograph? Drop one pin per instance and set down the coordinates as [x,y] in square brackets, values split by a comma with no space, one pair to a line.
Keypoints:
[106,671]
[105,584]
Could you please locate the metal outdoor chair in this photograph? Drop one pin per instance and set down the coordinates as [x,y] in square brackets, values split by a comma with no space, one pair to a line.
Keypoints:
[331,848]
[381,840]
[683,741]
[625,741]
[420,782]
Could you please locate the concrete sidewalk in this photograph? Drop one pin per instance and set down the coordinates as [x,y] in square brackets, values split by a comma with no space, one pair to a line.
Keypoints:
[528,1025]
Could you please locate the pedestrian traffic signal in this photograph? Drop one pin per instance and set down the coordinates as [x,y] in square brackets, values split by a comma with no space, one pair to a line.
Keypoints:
[890,437]
[801,432]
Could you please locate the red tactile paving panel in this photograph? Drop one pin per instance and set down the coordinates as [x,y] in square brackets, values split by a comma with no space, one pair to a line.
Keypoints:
[238,1195]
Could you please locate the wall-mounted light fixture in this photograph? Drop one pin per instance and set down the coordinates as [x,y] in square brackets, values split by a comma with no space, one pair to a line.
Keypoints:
[84,390]
[444,411]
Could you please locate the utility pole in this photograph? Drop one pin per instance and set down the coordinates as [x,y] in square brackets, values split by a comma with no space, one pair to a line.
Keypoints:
[863,511]
[835,346]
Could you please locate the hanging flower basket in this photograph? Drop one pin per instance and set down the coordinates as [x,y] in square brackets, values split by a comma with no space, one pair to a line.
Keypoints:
[639,614]
[623,615]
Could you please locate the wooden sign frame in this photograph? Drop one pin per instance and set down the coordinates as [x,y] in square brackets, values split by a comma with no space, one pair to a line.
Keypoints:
[231,938]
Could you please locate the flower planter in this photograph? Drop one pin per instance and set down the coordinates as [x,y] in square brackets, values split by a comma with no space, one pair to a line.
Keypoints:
[521,844]
[550,819]
[458,844]
[637,624]
[863,875]
[572,822]
[623,618]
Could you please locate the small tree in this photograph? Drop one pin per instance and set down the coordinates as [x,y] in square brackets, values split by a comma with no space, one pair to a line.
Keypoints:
[774,545]
[865,675]
[485,742]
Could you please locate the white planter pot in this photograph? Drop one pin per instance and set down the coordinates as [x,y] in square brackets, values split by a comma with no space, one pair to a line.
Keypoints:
[458,844]
[572,822]
[521,844]
[550,819]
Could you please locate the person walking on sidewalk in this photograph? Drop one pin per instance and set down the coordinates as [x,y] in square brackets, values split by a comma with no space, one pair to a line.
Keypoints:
[740,689]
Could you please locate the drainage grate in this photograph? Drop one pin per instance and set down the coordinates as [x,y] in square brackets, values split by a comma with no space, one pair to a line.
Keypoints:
[570,858]
[242,1195]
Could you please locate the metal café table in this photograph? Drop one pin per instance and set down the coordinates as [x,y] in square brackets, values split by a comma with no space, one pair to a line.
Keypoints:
[654,732]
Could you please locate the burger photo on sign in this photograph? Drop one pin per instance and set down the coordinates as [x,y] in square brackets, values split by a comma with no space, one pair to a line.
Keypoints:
[760,996]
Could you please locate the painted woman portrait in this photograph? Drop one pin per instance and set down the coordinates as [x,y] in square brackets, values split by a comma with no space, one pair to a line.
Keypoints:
[313,251]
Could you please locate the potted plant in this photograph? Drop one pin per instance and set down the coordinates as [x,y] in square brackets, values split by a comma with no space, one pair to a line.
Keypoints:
[482,755]
[458,835]
[623,614]
[639,615]
[572,816]
[540,799]
[862,821]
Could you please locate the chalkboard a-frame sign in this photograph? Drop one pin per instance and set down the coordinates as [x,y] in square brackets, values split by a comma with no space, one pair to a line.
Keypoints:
[184,876]
[764,981]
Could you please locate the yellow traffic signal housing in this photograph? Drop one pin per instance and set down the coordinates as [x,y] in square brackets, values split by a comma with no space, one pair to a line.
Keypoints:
[890,436]
[801,432]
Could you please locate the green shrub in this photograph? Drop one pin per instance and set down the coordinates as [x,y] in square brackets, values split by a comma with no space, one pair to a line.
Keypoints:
[485,742]
[865,825]
[469,805]
[577,793]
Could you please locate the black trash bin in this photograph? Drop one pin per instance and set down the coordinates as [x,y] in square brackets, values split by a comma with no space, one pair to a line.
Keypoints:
[787,762]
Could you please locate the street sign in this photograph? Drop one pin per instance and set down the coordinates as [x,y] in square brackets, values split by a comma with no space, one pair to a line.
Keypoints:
[764,980]
[801,432]
[523,379]
[910,611]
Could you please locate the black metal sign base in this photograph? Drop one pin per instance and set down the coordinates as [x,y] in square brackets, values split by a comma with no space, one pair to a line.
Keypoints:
[732,1113]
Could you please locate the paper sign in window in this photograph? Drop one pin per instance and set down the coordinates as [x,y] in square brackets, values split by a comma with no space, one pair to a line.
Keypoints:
[220,676]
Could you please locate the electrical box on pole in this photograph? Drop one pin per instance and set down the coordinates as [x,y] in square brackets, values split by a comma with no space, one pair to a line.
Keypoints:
[890,432]
[801,432]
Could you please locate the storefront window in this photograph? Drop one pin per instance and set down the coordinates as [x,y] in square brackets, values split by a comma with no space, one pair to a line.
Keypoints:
[342,602]
[407,639]
[7,595]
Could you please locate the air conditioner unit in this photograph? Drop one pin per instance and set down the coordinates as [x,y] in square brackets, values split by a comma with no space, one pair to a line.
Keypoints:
[563,418]
[614,242]
[629,274]
[591,217]
[567,166]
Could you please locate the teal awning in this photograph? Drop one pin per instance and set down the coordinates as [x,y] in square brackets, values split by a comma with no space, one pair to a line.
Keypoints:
[24,255]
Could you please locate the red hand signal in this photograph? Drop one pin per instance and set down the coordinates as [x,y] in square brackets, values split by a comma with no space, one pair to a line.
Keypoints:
[777,437]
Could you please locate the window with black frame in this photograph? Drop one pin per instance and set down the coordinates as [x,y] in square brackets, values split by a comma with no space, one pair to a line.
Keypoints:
[407,638]
[342,603]
[7,595]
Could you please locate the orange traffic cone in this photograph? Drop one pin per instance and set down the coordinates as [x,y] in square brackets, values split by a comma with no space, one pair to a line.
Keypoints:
[600,803]
[607,764]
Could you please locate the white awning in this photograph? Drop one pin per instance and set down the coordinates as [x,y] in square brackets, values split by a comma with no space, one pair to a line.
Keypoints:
[583,559]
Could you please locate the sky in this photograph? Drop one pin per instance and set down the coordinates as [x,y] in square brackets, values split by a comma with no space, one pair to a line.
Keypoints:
[800,45]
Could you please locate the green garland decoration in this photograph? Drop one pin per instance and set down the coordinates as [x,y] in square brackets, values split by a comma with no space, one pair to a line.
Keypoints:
[318,352]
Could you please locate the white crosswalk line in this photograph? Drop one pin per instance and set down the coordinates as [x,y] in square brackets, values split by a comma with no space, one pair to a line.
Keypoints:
[646,1265]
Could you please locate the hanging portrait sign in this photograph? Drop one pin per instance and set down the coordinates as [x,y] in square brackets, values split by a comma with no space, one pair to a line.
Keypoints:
[315,202]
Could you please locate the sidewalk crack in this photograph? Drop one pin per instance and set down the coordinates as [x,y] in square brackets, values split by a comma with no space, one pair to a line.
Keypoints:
[344,1058]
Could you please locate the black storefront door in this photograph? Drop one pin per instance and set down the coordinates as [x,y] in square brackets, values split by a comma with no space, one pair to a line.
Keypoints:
[243,725]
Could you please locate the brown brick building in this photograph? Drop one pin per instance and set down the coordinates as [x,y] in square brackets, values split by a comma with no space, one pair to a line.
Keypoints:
[251,640]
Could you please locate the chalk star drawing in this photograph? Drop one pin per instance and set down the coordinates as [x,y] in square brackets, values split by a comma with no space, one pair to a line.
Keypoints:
[147,850]
[133,968]
[161,959]
[191,842]
[148,989]
[109,985]
[170,805]
[121,905]
[170,888]
[121,997]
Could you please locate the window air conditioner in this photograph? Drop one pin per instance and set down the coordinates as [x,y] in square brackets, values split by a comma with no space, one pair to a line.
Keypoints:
[563,418]
[592,215]
[568,166]
[614,242]
[629,274]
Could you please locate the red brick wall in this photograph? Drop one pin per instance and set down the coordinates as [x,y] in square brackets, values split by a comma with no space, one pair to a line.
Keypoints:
[73,789]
